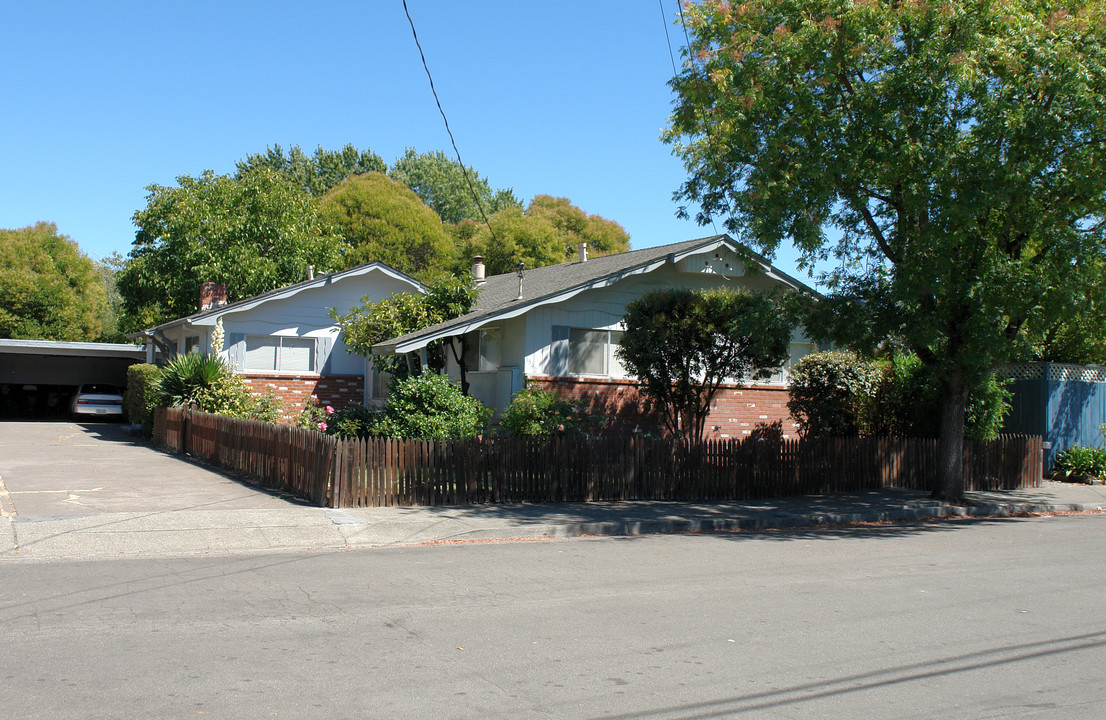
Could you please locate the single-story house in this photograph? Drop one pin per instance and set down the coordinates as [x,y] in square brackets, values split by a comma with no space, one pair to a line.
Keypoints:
[556,328]
[285,339]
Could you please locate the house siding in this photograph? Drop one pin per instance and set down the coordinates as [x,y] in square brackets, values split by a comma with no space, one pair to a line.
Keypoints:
[604,308]
[736,412]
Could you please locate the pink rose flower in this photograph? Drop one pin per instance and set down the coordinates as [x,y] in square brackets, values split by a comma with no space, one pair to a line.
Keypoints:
[322,426]
[329,410]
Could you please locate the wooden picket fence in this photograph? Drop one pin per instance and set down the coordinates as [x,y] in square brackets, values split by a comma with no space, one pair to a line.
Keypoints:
[388,471]
[285,457]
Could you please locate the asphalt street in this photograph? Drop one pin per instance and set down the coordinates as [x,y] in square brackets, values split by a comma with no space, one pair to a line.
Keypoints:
[998,618]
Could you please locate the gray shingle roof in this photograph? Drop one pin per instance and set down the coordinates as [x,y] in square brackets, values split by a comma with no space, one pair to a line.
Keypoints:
[499,294]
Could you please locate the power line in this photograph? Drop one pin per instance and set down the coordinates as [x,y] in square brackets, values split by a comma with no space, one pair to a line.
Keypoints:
[664,20]
[683,23]
[453,142]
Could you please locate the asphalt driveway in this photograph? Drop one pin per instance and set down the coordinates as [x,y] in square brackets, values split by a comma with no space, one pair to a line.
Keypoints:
[65,468]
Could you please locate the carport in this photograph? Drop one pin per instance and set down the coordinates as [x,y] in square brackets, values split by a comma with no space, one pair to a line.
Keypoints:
[37,377]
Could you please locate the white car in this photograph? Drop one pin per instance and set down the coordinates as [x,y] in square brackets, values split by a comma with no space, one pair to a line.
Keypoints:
[97,399]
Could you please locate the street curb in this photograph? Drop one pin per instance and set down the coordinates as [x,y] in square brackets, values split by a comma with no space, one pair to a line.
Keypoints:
[791,521]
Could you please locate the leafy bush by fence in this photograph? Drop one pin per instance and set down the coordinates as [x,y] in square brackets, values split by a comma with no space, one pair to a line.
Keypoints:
[388,471]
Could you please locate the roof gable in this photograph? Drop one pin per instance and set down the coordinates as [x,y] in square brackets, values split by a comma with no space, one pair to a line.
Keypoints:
[499,295]
[211,316]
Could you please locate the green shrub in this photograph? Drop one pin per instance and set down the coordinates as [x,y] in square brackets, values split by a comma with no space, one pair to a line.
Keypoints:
[907,403]
[226,395]
[538,412]
[186,376]
[268,407]
[355,421]
[838,393]
[207,383]
[1079,461]
[829,391]
[140,398]
[431,406]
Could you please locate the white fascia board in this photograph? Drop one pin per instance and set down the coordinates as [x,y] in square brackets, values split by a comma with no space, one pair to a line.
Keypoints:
[769,270]
[507,313]
[212,316]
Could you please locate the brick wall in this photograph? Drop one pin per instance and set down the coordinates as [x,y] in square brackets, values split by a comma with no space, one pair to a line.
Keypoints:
[335,390]
[737,411]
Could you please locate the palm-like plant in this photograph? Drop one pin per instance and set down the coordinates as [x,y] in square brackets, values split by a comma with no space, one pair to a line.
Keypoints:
[187,376]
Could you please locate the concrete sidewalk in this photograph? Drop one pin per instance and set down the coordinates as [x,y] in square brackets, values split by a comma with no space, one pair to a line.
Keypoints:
[289,526]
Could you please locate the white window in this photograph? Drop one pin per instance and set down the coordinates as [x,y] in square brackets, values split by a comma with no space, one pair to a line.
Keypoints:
[591,352]
[282,354]
[484,350]
[491,343]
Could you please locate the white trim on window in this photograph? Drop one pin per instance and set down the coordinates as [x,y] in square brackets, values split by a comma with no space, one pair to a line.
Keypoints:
[591,352]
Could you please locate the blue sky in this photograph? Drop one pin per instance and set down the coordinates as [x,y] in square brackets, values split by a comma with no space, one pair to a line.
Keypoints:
[561,98]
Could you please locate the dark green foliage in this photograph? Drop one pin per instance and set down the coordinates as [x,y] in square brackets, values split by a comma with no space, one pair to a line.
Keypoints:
[384,221]
[355,421]
[141,394]
[253,234]
[907,403]
[441,183]
[1078,461]
[829,391]
[49,290]
[681,345]
[185,376]
[315,174]
[841,394]
[430,406]
[949,156]
[546,233]
[539,413]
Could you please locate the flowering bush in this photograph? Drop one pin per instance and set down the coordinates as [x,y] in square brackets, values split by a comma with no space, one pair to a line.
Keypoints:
[315,415]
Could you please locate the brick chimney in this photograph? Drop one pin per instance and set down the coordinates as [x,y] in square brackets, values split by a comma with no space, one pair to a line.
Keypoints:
[212,295]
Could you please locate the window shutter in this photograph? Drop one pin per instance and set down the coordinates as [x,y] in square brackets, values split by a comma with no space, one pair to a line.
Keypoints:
[236,350]
[558,351]
[323,348]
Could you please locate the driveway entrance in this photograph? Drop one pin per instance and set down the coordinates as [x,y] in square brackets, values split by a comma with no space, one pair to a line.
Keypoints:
[64,468]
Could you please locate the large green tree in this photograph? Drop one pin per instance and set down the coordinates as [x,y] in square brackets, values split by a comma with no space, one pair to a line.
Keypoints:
[681,345]
[108,269]
[442,184]
[384,221]
[253,234]
[958,149]
[49,289]
[546,233]
[1074,332]
[317,173]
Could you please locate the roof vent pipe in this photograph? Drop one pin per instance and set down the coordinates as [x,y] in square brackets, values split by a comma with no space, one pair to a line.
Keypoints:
[310,272]
[583,249]
[478,269]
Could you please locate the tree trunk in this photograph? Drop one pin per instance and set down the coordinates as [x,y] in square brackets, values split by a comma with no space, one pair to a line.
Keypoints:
[950,450]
